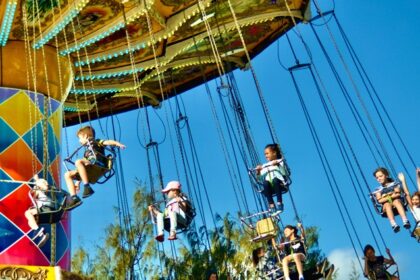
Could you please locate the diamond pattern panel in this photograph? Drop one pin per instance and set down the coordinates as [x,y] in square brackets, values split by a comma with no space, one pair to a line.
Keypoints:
[34,138]
[8,135]
[21,146]
[53,107]
[6,188]
[56,120]
[6,93]
[20,111]
[53,145]
[17,161]
[9,233]
[55,170]
[63,243]
[24,252]
[38,100]
[14,206]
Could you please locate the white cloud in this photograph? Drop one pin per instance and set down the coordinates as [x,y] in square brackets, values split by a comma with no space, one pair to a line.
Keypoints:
[342,259]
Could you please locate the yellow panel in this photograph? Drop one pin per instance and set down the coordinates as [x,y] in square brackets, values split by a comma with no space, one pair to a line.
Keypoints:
[266,227]
[30,272]
[56,121]
[20,112]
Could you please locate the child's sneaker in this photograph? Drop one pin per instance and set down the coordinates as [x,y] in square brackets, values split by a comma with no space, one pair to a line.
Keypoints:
[43,240]
[407,224]
[87,191]
[396,228]
[160,237]
[38,233]
[74,202]
[280,207]
[172,236]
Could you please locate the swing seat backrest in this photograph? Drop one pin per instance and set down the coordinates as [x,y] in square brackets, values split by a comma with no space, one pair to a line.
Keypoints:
[52,215]
[265,229]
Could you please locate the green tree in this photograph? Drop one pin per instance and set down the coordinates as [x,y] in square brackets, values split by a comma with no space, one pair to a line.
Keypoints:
[125,245]
[354,273]
[130,251]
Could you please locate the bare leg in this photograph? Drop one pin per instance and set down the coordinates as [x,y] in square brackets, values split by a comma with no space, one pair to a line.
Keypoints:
[69,181]
[389,213]
[30,215]
[81,168]
[298,260]
[286,267]
[400,208]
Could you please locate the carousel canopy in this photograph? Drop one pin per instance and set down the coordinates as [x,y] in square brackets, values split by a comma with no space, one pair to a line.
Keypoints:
[129,54]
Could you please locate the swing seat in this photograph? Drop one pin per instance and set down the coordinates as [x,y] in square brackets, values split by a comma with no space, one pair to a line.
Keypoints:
[257,182]
[266,229]
[182,224]
[98,170]
[53,214]
[379,209]
[416,231]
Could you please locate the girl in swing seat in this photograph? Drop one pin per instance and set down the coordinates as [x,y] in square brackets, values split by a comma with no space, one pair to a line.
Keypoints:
[388,194]
[294,250]
[274,179]
[175,209]
[375,265]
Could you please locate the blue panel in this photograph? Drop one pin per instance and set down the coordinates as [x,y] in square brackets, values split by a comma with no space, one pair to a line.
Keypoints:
[62,242]
[8,136]
[6,93]
[9,233]
[6,188]
[46,249]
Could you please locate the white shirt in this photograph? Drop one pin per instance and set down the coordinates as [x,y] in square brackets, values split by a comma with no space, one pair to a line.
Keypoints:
[273,169]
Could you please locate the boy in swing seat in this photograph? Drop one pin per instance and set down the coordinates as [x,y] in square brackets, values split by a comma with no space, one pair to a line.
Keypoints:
[94,154]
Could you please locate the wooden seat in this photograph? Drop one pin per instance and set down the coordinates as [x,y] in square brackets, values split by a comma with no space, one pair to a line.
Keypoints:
[266,229]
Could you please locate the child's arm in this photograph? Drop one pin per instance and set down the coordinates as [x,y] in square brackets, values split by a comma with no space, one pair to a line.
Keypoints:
[396,193]
[418,178]
[391,259]
[113,143]
[302,230]
[366,268]
[401,177]
[381,198]
[152,209]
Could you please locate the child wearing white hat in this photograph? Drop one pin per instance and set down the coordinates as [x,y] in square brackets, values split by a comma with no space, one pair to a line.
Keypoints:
[176,206]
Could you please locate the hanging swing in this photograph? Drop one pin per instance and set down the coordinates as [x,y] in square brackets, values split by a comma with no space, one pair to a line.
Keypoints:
[102,160]
[53,203]
[379,207]
[392,272]
[269,170]
[184,217]
[260,226]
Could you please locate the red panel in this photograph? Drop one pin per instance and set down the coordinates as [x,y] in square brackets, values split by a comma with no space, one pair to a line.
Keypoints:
[15,205]
[32,255]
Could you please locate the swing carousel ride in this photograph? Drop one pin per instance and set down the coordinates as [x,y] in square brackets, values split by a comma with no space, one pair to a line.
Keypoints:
[69,62]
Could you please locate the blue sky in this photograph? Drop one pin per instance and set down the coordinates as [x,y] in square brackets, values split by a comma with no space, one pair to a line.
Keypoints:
[385,36]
